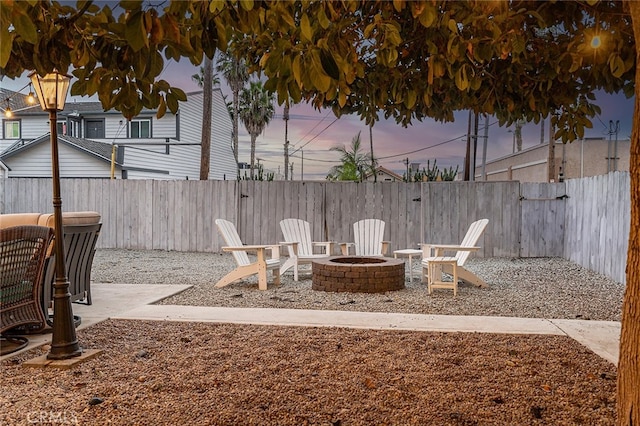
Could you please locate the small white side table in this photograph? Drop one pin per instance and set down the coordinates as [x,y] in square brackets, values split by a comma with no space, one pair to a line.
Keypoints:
[408,253]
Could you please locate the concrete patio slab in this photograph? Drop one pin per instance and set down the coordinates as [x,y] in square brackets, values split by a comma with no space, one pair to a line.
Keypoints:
[134,301]
[318,318]
[108,300]
[602,337]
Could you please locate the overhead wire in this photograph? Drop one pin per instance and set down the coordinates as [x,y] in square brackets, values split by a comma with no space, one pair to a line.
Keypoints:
[313,138]
[395,155]
[313,128]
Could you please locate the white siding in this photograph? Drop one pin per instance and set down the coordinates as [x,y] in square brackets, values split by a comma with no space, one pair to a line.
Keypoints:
[223,165]
[36,162]
[138,174]
[183,162]
[165,127]
[31,127]
[116,127]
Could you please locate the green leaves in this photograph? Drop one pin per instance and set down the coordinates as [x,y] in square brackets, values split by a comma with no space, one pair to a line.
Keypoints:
[24,27]
[461,78]
[329,64]
[318,77]
[305,28]
[428,15]
[407,59]
[616,64]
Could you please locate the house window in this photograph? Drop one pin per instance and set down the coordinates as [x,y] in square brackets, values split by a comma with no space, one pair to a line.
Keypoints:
[61,125]
[140,128]
[11,129]
[94,129]
[73,128]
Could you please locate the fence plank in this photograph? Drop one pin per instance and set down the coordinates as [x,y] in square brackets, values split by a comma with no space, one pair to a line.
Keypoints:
[590,227]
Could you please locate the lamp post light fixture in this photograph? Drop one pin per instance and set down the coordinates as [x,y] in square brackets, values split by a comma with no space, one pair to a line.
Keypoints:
[51,91]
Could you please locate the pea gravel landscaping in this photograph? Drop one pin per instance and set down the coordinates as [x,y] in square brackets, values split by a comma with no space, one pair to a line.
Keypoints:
[526,288]
[167,373]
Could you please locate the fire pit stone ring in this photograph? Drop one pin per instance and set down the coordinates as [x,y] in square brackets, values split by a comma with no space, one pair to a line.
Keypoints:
[358,274]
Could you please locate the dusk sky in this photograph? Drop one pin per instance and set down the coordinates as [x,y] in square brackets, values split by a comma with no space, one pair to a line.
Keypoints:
[312,133]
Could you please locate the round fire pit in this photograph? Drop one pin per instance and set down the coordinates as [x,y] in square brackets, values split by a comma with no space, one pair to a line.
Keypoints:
[357,274]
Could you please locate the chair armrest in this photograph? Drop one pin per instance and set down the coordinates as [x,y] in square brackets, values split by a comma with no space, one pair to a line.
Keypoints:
[275,249]
[385,247]
[441,248]
[293,244]
[344,248]
[328,246]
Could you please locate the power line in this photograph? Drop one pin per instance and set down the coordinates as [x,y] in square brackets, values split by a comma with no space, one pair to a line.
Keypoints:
[313,128]
[313,138]
[423,149]
[431,146]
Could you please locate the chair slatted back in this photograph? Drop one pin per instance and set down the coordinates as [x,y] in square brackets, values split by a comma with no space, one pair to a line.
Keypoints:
[297,230]
[470,239]
[232,239]
[368,236]
[22,254]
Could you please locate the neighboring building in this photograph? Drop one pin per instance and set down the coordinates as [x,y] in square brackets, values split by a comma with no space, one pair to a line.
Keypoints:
[581,158]
[145,147]
[78,158]
[383,175]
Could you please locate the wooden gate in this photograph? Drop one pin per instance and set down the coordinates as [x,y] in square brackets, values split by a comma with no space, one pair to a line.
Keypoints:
[542,230]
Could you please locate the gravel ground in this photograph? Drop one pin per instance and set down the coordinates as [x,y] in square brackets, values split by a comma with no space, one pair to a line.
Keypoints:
[172,373]
[526,288]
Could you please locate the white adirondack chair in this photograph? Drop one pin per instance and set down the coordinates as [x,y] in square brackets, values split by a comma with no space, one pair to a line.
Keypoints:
[435,253]
[368,239]
[245,267]
[297,238]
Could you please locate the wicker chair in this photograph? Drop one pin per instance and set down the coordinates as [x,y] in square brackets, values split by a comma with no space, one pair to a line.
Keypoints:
[79,250]
[22,254]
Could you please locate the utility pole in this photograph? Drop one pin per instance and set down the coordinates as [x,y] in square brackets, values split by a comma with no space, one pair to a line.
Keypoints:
[373,161]
[467,158]
[551,160]
[518,135]
[612,158]
[484,147]
[285,117]
[301,165]
[473,151]
[406,163]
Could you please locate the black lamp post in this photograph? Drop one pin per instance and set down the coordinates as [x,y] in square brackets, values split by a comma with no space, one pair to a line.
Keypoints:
[52,93]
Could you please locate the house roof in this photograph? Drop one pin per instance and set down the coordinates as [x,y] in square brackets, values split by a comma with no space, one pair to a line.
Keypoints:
[18,103]
[9,98]
[385,171]
[100,150]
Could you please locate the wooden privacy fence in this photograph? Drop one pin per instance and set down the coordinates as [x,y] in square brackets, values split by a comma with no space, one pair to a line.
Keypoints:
[525,220]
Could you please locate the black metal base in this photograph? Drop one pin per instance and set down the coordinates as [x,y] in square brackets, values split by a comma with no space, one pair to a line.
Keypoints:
[11,344]
[77,320]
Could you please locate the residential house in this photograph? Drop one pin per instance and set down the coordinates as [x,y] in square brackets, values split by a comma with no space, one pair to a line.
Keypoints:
[581,158]
[94,142]
[383,175]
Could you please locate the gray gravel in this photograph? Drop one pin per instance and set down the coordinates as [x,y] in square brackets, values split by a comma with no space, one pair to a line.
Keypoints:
[527,288]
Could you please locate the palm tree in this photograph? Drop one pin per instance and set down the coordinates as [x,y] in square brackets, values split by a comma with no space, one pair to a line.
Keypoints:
[199,78]
[235,73]
[206,79]
[353,161]
[255,110]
